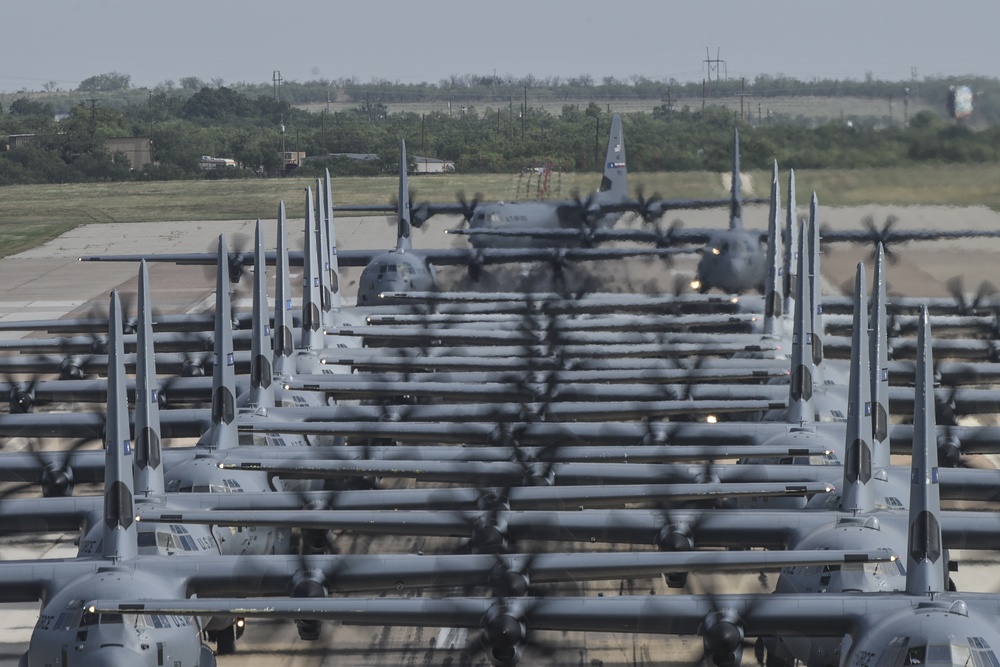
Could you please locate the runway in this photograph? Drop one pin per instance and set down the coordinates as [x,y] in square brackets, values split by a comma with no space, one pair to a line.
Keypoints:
[49,282]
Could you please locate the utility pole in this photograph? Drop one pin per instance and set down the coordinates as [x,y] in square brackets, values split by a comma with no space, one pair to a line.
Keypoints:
[524,112]
[597,140]
[93,115]
[276,83]
[282,144]
[743,84]
[511,113]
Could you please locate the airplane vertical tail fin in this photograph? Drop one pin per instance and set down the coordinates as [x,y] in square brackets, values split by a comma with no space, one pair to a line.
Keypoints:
[791,250]
[222,433]
[148,452]
[404,230]
[312,336]
[735,191]
[261,375]
[773,300]
[333,265]
[120,532]
[925,557]
[879,357]
[284,345]
[815,288]
[857,494]
[800,389]
[615,180]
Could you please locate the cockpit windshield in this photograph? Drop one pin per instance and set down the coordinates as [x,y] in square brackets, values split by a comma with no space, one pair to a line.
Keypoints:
[900,653]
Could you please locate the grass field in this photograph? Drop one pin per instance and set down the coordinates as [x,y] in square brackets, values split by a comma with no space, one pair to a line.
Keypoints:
[818,109]
[31,215]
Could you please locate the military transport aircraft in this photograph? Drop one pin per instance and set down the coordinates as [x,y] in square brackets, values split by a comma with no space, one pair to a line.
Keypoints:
[924,623]
[525,223]
[734,260]
[404,267]
[68,633]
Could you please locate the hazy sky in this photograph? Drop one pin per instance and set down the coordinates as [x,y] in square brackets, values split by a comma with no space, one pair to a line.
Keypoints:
[66,41]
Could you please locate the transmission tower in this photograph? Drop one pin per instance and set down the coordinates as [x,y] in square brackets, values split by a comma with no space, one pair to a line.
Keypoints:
[716,65]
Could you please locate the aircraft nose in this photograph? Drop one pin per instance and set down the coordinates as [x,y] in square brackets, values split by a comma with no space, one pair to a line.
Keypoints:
[111,656]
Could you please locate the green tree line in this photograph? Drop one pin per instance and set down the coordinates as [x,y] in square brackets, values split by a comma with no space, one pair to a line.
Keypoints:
[251,128]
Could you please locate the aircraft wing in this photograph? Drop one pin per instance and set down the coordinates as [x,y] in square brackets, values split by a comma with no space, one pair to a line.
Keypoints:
[539,434]
[505,302]
[713,323]
[658,237]
[902,235]
[521,497]
[197,389]
[527,391]
[387,360]
[44,515]
[510,473]
[441,257]
[238,260]
[713,346]
[951,373]
[186,364]
[347,457]
[965,439]
[33,580]
[345,573]
[480,336]
[499,412]
[320,382]
[177,423]
[823,614]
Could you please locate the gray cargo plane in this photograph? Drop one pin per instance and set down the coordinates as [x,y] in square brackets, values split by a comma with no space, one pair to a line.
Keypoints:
[733,260]
[404,267]
[923,624]
[521,224]
[68,633]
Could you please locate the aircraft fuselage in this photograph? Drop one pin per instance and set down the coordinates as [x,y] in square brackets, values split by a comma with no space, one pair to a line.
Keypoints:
[535,216]
[394,272]
[67,635]
[734,261]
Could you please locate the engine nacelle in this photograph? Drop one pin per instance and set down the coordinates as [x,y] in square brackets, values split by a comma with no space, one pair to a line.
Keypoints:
[538,474]
[99,345]
[722,638]
[192,368]
[675,537]
[57,482]
[949,451]
[490,536]
[308,584]
[504,634]
[22,399]
[475,268]
[72,368]
[507,583]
